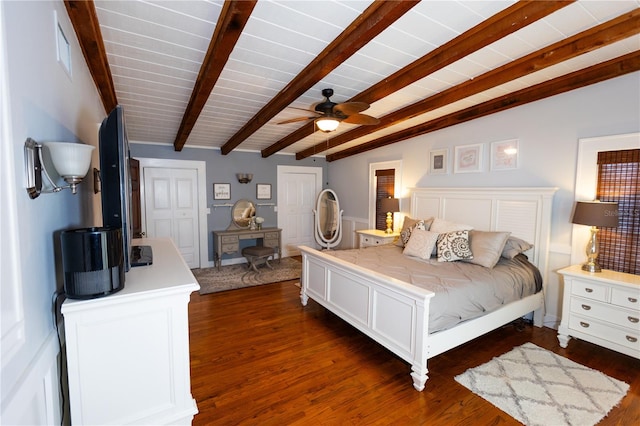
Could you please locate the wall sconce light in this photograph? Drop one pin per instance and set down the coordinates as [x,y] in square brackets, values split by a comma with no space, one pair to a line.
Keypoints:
[71,161]
[244,177]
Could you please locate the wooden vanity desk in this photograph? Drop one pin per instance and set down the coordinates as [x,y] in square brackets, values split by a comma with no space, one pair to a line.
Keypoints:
[228,241]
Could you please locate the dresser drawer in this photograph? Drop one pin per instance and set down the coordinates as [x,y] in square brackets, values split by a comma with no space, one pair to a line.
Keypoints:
[624,337]
[230,248]
[607,313]
[625,298]
[271,235]
[270,243]
[229,239]
[590,290]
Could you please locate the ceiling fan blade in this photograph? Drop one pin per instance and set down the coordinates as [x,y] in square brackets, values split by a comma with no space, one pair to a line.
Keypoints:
[361,119]
[349,108]
[304,109]
[295,120]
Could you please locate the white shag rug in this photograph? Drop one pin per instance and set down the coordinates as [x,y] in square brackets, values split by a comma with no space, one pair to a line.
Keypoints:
[538,387]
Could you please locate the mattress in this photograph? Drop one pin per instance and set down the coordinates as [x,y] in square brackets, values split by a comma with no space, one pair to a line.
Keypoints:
[462,290]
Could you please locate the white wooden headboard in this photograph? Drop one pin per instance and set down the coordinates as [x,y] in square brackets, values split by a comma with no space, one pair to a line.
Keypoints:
[523,211]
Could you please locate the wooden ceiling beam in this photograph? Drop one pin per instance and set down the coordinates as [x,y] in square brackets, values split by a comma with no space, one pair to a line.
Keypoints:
[84,19]
[595,74]
[375,19]
[602,35]
[506,22]
[232,20]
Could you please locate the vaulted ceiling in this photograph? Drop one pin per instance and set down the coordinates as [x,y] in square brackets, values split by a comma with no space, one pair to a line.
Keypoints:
[223,74]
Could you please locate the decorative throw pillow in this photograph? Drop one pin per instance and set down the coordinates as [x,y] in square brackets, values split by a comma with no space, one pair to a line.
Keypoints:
[407,226]
[421,243]
[486,247]
[514,246]
[406,234]
[454,246]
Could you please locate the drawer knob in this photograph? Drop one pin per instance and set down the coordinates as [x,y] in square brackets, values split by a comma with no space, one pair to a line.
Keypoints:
[632,319]
[588,290]
[584,324]
[632,299]
[586,307]
[632,339]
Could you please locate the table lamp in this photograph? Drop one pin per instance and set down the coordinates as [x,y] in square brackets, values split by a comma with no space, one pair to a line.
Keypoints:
[595,214]
[390,205]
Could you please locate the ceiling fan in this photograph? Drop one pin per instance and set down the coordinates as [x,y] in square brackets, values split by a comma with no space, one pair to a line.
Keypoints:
[331,114]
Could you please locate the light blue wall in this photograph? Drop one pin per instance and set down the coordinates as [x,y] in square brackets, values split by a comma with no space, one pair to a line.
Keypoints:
[223,169]
[45,104]
[548,131]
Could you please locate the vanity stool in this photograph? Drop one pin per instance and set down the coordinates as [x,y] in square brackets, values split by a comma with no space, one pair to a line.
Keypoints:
[257,255]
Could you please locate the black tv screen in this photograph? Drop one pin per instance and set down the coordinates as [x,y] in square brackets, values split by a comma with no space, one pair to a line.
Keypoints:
[116,178]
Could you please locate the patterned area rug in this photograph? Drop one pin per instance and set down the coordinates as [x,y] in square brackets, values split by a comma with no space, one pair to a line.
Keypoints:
[538,387]
[239,276]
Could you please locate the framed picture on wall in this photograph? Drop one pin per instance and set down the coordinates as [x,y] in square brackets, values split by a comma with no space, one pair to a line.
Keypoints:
[468,158]
[221,191]
[504,155]
[263,191]
[439,162]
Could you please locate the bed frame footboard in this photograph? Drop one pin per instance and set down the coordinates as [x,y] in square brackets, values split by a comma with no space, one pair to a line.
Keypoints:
[391,312]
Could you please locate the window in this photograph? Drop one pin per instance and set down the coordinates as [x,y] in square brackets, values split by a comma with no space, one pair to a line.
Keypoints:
[619,181]
[385,188]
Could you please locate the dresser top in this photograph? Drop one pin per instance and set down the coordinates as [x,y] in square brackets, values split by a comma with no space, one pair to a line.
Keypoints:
[605,275]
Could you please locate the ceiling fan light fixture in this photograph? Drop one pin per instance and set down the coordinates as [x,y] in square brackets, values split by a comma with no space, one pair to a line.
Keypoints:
[327,124]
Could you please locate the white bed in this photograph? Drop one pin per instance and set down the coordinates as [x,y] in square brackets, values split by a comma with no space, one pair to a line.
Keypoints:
[396,314]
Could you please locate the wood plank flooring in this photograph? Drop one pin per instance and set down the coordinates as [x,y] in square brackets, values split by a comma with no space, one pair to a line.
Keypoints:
[260,358]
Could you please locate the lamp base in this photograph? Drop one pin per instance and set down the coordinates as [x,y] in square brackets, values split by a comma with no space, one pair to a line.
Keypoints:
[591,267]
[389,221]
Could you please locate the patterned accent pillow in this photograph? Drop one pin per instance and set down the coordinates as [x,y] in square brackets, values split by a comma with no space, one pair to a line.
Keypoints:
[421,244]
[405,235]
[454,246]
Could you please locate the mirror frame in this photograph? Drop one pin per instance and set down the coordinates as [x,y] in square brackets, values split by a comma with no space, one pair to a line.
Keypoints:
[235,222]
[327,243]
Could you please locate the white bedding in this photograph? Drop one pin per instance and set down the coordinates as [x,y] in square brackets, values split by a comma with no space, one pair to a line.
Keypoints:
[462,290]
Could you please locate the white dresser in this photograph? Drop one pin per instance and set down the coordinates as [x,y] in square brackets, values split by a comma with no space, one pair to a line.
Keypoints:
[128,353]
[375,237]
[601,308]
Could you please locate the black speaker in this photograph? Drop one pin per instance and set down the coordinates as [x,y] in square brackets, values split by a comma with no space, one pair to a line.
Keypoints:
[93,262]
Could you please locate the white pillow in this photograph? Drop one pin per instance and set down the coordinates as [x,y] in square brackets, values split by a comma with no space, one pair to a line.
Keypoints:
[421,244]
[441,226]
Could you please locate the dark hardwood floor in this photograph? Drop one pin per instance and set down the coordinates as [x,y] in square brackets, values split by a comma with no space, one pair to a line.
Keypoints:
[259,357]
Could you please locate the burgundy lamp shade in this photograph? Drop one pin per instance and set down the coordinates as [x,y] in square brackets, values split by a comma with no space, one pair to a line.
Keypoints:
[390,205]
[595,213]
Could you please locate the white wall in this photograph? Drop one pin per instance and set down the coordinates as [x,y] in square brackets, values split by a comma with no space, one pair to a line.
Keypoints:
[46,104]
[548,131]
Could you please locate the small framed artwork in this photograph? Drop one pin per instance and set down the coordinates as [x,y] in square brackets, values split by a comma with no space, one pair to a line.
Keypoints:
[221,191]
[504,155]
[263,191]
[468,158]
[439,162]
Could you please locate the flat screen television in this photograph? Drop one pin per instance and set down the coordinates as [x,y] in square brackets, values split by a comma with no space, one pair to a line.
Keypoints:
[115,177]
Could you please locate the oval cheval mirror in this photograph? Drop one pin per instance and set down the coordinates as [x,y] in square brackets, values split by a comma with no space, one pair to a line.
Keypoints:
[328,220]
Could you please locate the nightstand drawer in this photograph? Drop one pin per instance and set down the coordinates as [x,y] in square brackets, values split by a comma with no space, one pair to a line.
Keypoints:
[589,290]
[624,337]
[625,298]
[604,312]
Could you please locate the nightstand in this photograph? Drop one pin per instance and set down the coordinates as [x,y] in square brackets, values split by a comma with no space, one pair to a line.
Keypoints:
[601,308]
[375,237]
